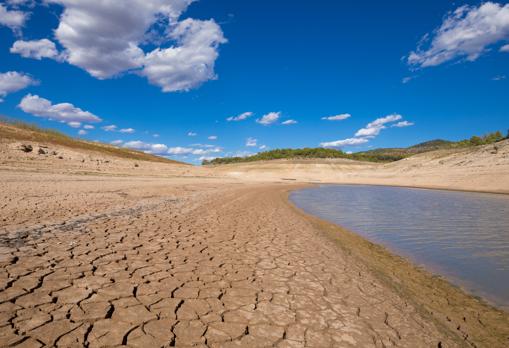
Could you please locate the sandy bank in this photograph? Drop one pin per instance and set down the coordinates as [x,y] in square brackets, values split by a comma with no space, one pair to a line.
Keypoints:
[481,169]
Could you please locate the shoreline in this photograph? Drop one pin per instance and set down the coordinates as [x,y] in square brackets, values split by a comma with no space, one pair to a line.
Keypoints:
[420,187]
[461,312]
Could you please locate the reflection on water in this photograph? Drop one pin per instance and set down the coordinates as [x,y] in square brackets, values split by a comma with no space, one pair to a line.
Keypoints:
[461,235]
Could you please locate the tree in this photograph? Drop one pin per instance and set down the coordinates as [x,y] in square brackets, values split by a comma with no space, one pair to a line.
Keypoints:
[475,140]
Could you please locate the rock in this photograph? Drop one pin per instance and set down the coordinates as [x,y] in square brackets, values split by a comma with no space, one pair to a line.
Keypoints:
[41,151]
[136,165]
[54,153]
[60,157]
[26,148]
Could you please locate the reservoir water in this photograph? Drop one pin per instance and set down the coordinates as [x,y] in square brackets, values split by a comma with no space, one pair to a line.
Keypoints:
[460,235]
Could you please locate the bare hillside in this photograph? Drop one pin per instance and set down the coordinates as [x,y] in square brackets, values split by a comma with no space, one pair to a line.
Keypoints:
[482,168]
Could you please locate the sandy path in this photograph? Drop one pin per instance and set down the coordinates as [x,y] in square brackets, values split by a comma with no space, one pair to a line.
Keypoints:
[158,263]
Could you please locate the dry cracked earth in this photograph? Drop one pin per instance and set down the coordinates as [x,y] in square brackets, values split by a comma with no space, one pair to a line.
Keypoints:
[106,262]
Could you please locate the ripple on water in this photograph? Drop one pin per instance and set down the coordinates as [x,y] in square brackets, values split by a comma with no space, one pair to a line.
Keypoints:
[463,236]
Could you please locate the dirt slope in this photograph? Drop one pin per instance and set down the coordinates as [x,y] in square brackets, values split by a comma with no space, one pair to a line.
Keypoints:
[483,168]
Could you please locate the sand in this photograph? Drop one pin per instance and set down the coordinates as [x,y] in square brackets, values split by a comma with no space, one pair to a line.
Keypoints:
[105,253]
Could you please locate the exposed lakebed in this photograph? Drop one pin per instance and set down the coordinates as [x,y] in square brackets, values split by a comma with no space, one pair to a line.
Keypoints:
[463,236]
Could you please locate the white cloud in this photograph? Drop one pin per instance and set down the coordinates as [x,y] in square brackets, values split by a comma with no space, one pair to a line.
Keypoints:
[407,79]
[191,134]
[212,137]
[158,148]
[345,142]
[288,122]
[137,145]
[240,117]
[269,118]
[107,38]
[207,158]
[373,128]
[74,124]
[82,132]
[504,48]
[263,147]
[251,142]
[127,130]
[191,63]
[117,142]
[402,124]
[14,20]
[88,126]
[109,128]
[36,49]
[13,81]
[206,151]
[178,150]
[37,106]
[339,117]
[468,32]
[155,135]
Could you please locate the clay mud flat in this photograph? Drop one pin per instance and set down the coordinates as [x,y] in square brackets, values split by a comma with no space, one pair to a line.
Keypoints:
[104,261]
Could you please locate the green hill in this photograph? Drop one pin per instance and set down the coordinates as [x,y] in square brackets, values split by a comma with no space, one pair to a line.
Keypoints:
[376,155]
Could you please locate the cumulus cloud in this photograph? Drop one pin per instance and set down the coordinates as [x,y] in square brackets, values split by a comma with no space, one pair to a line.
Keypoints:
[13,81]
[373,128]
[82,132]
[12,19]
[88,126]
[212,137]
[407,79]
[339,117]
[344,142]
[137,145]
[178,150]
[127,130]
[40,107]
[74,124]
[240,117]
[402,124]
[36,49]
[289,122]
[117,142]
[269,118]
[251,142]
[158,148]
[191,134]
[504,48]
[107,38]
[206,158]
[263,147]
[109,128]
[189,64]
[467,32]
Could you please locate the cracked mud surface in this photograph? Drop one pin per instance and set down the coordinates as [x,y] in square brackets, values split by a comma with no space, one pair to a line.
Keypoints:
[157,263]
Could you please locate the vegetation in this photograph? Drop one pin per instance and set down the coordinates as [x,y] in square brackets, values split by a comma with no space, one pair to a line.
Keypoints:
[377,155]
[13,129]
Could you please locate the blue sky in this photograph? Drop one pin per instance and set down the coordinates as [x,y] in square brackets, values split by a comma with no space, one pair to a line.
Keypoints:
[395,72]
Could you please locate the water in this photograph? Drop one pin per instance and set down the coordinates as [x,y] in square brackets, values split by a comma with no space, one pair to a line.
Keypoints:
[463,236]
